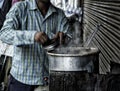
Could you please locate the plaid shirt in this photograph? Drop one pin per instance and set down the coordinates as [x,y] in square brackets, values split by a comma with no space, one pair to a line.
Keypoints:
[30,62]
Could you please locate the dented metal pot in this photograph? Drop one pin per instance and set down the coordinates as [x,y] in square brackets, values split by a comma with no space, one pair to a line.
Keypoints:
[73,59]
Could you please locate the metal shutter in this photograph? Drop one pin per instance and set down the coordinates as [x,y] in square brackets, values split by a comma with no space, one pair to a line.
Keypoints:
[107,14]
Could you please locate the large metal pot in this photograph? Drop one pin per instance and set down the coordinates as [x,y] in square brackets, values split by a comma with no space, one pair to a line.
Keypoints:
[73,59]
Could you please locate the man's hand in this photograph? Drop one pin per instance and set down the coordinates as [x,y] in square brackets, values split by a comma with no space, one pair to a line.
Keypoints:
[60,36]
[41,37]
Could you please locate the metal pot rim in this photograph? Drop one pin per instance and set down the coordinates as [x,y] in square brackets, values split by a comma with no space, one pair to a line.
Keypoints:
[92,51]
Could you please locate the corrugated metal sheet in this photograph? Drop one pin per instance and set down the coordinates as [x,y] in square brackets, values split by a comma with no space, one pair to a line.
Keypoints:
[105,13]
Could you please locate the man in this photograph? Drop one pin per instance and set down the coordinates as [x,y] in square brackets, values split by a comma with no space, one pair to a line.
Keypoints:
[28,26]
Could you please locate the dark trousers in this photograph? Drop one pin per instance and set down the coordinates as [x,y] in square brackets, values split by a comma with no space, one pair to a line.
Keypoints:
[15,85]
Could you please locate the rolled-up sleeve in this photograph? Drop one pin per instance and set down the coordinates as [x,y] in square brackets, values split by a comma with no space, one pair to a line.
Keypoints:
[24,38]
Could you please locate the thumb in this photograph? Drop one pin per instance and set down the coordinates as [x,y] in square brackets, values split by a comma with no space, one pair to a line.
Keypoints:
[61,37]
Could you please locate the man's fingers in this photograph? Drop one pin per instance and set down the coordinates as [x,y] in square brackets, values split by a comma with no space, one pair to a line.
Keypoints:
[41,41]
[56,36]
[61,37]
[41,37]
[44,37]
